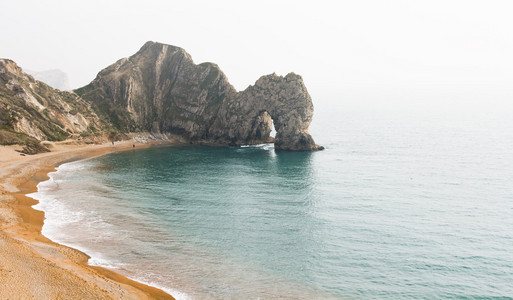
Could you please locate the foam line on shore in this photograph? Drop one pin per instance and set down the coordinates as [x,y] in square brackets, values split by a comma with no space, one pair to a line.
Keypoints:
[58,216]
[34,260]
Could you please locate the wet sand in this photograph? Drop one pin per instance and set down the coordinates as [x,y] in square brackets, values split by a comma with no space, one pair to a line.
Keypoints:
[32,266]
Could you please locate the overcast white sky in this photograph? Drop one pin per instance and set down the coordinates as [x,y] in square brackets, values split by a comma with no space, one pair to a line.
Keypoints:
[366,51]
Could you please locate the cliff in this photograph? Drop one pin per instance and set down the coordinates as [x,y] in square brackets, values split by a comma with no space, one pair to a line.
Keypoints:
[31,111]
[160,89]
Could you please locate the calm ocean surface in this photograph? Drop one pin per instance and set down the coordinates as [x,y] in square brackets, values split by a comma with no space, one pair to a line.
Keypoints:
[399,205]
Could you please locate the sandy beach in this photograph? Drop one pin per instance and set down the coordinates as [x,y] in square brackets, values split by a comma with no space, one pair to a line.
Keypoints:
[32,266]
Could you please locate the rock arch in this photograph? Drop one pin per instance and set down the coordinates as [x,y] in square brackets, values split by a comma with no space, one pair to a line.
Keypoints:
[283,101]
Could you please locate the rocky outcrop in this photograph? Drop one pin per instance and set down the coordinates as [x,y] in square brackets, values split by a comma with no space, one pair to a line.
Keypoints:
[160,89]
[32,111]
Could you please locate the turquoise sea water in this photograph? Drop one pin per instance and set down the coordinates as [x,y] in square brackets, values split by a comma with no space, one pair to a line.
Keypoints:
[399,205]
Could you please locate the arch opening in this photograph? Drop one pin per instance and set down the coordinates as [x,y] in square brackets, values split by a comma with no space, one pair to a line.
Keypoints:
[273,130]
[263,126]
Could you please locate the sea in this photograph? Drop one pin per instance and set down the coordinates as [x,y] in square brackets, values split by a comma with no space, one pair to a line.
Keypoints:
[402,204]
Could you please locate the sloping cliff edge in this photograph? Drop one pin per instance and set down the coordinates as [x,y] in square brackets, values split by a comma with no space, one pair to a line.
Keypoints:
[161,91]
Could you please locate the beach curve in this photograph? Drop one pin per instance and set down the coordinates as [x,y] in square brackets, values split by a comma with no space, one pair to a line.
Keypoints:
[31,265]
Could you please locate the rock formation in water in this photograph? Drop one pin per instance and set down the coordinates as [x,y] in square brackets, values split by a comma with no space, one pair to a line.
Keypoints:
[160,89]
[31,111]
[247,117]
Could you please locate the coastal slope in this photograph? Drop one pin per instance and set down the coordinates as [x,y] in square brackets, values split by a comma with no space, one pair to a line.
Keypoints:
[31,111]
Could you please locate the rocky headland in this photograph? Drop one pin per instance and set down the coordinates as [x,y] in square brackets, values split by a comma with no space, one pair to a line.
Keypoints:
[158,90]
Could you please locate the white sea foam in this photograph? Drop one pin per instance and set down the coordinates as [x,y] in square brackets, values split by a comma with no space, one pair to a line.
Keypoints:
[263,146]
[61,222]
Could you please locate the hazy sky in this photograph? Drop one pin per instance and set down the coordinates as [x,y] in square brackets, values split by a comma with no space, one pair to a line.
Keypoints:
[361,51]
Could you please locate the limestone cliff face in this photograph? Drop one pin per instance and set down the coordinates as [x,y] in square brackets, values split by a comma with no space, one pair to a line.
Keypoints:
[31,110]
[160,89]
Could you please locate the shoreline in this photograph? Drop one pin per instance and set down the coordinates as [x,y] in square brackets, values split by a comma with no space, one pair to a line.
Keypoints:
[33,265]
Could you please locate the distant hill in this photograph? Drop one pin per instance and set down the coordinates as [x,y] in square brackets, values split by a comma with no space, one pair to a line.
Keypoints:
[54,78]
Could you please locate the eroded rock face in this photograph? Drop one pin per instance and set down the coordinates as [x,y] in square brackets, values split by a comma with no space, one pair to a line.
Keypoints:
[160,89]
[34,109]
